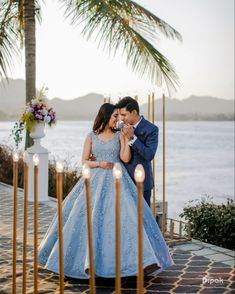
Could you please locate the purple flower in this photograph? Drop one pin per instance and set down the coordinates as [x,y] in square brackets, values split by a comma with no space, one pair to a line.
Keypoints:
[38,116]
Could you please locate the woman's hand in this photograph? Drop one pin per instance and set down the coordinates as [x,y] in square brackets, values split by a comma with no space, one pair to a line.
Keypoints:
[106,164]
[123,136]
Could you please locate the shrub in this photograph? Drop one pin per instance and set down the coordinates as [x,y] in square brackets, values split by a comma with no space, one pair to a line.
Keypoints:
[70,178]
[70,174]
[210,222]
[6,166]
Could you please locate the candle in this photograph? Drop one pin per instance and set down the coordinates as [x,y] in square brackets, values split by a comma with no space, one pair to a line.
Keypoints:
[153,104]
[86,176]
[153,162]
[119,96]
[139,176]
[59,191]
[164,163]
[117,173]
[149,104]
[24,262]
[36,162]
[136,96]
[14,237]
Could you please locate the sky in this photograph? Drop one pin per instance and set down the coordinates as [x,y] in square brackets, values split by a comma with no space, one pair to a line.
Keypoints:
[71,67]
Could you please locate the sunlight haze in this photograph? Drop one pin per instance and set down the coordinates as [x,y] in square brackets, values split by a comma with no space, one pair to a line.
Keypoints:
[71,67]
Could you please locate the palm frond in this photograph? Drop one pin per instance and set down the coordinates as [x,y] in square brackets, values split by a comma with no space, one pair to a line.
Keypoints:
[9,37]
[12,32]
[126,26]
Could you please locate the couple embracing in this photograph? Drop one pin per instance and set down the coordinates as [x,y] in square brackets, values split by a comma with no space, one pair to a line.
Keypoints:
[136,142]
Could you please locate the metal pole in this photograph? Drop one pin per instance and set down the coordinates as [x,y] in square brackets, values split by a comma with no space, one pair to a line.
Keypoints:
[90,240]
[60,229]
[15,185]
[35,229]
[118,241]
[164,165]
[140,278]
[24,265]
[153,162]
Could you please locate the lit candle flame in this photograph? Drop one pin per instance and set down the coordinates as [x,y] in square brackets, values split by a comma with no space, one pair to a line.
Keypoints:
[59,167]
[117,171]
[86,171]
[15,157]
[139,173]
[36,159]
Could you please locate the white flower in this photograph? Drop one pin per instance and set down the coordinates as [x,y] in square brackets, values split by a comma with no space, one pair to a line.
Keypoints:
[44,112]
[47,119]
[34,101]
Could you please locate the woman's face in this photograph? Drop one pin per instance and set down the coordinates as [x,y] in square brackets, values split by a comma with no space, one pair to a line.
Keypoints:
[113,119]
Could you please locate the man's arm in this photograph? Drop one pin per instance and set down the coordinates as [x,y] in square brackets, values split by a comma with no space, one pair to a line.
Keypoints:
[148,149]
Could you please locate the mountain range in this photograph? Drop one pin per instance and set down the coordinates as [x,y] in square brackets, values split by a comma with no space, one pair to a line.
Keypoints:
[12,102]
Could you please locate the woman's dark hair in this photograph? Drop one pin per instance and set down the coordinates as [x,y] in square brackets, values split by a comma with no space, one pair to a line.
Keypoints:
[129,103]
[103,117]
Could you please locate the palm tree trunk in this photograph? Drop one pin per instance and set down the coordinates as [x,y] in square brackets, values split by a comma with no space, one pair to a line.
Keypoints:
[30,55]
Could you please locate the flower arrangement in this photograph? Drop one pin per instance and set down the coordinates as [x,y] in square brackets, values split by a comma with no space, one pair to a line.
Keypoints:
[37,110]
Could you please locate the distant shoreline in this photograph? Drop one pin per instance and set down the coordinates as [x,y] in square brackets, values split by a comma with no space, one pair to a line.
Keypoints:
[168,119]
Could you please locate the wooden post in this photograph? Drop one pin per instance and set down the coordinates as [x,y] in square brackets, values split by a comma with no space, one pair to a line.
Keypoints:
[139,176]
[15,210]
[25,225]
[153,162]
[164,166]
[86,175]
[36,161]
[59,190]
[171,229]
[180,229]
[118,241]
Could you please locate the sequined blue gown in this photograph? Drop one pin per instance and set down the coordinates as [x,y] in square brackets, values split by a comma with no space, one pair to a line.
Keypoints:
[76,259]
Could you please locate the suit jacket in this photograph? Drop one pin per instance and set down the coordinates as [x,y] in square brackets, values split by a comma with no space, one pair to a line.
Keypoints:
[143,151]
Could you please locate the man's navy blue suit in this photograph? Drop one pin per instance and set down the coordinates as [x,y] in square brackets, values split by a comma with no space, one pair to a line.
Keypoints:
[143,151]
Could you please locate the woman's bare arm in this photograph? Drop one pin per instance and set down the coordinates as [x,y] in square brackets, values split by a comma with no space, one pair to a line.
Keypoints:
[86,153]
[125,151]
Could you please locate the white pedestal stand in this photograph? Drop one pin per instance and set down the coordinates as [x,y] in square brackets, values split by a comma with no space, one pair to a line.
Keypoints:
[37,134]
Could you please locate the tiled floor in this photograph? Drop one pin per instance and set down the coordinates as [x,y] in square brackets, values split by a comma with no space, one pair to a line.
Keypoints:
[199,267]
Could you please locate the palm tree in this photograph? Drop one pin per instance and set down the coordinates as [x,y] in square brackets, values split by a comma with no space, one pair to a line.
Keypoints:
[17,24]
[116,24]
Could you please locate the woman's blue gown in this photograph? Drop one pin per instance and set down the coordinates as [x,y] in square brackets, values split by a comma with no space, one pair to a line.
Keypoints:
[75,240]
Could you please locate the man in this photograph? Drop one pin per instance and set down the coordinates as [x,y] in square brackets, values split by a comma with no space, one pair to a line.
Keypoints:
[143,139]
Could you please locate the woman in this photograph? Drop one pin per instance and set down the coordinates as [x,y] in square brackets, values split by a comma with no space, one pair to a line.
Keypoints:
[109,147]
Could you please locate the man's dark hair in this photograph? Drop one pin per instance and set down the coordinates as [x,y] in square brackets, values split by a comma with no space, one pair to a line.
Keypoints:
[129,103]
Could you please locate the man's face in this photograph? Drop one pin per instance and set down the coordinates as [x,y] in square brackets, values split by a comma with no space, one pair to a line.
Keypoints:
[126,116]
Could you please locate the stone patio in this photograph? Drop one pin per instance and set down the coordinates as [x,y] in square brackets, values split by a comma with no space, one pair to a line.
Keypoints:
[199,267]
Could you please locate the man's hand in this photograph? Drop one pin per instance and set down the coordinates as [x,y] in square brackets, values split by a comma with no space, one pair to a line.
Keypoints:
[128,131]
[92,157]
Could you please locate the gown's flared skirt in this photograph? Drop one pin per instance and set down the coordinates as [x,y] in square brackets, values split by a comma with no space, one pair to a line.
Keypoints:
[75,239]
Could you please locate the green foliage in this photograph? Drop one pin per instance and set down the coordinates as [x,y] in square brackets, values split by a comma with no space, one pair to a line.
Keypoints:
[17,133]
[70,174]
[123,26]
[6,166]
[70,178]
[210,222]
[129,28]
[29,121]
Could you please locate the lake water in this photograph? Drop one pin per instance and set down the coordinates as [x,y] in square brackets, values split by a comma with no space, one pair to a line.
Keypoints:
[199,157]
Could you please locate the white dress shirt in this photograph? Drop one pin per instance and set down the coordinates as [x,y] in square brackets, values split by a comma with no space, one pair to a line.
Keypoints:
[131,142]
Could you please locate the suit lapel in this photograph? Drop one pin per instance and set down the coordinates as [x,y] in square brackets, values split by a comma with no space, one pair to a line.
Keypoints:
[140,126]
